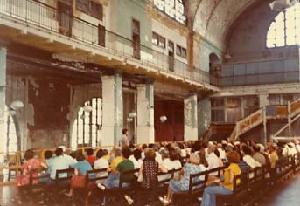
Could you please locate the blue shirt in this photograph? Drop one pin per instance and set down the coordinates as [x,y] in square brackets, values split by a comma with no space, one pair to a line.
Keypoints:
[82,167]
[58,163]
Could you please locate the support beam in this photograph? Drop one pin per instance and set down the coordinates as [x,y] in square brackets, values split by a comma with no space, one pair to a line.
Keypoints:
[2,96]
[145,114]
[112,109]
[191,118]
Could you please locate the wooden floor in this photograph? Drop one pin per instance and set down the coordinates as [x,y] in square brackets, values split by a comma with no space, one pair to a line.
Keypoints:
[286,193]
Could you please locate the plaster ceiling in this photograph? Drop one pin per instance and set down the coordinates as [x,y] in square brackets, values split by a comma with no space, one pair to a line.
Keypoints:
[213,18]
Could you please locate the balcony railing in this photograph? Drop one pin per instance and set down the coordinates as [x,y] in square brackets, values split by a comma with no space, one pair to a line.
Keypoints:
[46,17]
[284,70]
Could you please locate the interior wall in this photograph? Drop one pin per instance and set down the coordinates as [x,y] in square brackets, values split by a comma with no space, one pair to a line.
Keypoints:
[249,32]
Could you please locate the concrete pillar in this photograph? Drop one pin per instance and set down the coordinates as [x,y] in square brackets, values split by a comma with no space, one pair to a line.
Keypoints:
[191,118]
[112,109]
[145,114]
[263,100]
[204,115]
[2,97]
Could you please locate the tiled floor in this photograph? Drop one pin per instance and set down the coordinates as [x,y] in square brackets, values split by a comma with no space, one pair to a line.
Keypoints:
[285,193]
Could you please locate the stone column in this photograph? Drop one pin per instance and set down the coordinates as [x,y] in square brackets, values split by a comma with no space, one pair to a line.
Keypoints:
[263,100]
[204,115]
[2,97]
[191,118]
[145,114]
[112,110]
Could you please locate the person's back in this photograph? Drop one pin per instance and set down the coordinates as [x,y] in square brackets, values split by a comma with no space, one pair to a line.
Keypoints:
[259,158]
[150,171]
[125,166]
[59,162]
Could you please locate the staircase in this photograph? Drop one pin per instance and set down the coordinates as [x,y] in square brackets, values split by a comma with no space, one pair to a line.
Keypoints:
[263,115]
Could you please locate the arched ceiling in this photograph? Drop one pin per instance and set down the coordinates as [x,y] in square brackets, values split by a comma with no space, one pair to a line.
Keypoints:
[213,18]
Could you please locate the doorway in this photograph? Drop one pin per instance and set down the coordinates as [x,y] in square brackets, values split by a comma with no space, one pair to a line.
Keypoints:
[136,39]
[65,17]
[171,55]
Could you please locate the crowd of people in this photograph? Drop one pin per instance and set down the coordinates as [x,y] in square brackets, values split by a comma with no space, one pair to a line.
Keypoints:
[152,159]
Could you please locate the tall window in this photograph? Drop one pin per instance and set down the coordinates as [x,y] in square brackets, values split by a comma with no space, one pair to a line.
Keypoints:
[285,30]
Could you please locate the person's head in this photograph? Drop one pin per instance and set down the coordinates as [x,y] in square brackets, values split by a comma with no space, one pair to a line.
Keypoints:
[48,154]
[118,152]
[165,154]
[28,155]
[59,151]
[194,159]
[80,156]
[150,154]
[89,151]
[174,155]
[125,152]
[125,131]
[210,148]
[137,153]
[100,153]
[105,151]
[246,150]
[233,157]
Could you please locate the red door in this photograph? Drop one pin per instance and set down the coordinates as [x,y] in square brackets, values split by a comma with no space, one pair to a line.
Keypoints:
[173,128]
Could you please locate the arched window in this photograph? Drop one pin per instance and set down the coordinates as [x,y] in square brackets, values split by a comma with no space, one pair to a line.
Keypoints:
[285,29]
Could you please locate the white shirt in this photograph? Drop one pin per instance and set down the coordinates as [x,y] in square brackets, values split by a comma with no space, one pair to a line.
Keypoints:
[137,163]
[251,162]
[168,164]
[101,163]
[222,154]
[213,161]
[60,162]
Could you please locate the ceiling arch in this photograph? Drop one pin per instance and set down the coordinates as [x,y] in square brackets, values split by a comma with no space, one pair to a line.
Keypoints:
[213,18]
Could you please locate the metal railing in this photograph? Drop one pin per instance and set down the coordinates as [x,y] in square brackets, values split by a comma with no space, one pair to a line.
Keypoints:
[49,18]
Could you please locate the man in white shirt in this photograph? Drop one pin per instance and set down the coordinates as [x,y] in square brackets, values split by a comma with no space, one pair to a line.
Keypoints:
[249,159]
[60,161]
[212,159]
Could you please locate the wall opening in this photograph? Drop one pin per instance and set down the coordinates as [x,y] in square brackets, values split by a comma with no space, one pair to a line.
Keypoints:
[214,69]
[87,124]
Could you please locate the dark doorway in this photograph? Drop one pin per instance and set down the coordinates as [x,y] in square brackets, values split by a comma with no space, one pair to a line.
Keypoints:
[215,69]
[65,17]
[173,128]
[171,55]
[136,39]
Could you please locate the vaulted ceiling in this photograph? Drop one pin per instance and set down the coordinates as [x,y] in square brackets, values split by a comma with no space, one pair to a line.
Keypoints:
[213,18]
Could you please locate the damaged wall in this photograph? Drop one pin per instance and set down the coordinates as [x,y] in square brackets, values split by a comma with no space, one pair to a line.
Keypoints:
[50,99]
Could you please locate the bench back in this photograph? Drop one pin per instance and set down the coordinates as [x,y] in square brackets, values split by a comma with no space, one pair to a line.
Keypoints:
[64,174]
[198,181]
[97,174]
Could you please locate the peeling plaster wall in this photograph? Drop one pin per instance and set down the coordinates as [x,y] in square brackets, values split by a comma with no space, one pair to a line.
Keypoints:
[50,101]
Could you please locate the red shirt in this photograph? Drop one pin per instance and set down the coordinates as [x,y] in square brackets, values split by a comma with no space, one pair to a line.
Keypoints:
[91,159]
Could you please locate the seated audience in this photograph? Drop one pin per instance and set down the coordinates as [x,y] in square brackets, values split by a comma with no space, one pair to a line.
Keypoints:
[114,177]
[136,158]
[246,152]
[258,155]
[191,167]
[32,163]
[90,156]
[60,161]
[226,188]
[82,166]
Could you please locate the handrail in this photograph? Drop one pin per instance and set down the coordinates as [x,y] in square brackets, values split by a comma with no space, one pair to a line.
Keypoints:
[47,17]
[256,118]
